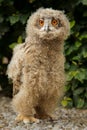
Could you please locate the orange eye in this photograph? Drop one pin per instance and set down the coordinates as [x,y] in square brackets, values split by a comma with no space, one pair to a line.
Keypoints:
[54,22]
[41,22]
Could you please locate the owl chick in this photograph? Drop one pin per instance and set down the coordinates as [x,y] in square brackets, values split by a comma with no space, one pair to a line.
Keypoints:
[37,66]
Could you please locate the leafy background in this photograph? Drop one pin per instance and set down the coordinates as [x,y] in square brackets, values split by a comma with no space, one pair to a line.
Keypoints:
[13,18]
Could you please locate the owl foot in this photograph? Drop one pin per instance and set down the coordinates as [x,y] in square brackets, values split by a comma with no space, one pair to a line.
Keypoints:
[46,116]
[26,119]
[52,117]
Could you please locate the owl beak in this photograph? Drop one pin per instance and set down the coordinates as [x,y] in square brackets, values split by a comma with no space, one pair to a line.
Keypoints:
[46,28]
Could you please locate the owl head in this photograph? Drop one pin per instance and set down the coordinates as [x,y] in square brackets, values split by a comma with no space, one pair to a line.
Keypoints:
[48,24]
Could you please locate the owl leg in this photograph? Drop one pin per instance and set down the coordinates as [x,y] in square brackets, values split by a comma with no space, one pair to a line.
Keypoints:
[44,114]
[26,119]
[46,108]
[23,103]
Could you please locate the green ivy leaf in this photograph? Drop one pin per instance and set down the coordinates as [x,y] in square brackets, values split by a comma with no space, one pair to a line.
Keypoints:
[73,73]
[78,44]
[12,45]
[67,88]
[19,40]
[80,103]
[14,19]
[78,91]
[66,102]
[84,2]
[84,52]
[77,57]
[72,24]
[84,36]
[80,75]
[23,18]
[75,63]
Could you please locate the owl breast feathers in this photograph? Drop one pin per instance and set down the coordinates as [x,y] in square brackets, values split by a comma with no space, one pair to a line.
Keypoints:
[37,65]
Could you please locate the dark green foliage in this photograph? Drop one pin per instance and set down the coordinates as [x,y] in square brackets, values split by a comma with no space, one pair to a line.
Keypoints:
[76,59]
[13,18]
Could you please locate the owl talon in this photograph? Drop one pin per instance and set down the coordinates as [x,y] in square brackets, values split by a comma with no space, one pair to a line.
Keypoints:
[26,119]
[30,120]
[19,118]
[53,117]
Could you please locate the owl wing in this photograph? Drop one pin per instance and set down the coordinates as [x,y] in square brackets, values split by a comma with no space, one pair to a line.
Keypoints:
[14,70]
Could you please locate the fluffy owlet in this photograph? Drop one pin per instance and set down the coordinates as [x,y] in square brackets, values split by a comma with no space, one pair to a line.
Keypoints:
[37,66]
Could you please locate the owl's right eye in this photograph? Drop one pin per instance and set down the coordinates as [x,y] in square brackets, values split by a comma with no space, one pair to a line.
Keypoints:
[41,22]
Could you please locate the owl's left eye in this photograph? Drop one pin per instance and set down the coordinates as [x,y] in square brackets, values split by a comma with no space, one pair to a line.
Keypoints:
[54,22]
[41,22]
